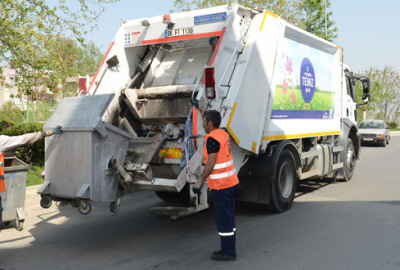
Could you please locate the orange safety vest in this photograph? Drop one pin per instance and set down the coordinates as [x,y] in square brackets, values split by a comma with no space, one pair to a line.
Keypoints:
[223,174]
[2,182]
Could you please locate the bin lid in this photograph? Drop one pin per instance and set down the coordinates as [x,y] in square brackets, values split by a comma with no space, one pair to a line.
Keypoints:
[79,113]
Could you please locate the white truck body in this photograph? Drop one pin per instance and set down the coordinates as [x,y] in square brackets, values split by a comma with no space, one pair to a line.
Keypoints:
[276,86]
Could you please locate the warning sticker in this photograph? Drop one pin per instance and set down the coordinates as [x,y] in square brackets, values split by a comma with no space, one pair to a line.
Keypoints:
[253,147]
[132,38]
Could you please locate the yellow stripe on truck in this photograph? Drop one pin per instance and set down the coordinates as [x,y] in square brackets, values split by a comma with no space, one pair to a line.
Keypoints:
[340,53]
[229,122]
[265,15]
[279,137]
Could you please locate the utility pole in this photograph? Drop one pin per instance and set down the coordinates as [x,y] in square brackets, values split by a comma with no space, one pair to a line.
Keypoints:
[326,29]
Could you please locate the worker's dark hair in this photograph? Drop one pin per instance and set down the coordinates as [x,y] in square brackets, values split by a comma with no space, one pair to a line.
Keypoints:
[213,116]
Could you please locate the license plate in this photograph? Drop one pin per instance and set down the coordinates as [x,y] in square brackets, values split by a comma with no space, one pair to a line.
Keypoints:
[368,140]
[179,32]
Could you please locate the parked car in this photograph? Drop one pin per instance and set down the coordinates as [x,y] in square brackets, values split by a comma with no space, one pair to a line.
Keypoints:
[374,132]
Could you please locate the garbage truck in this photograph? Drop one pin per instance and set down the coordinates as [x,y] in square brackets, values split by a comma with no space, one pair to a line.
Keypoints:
[285,96]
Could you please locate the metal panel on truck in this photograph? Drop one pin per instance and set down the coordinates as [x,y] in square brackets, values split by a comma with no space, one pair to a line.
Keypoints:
[307,88]
[252,84]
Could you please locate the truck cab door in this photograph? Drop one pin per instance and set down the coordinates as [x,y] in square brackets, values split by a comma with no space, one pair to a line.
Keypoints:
[351,108]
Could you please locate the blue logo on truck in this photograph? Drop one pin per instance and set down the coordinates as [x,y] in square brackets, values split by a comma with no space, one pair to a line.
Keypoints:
[307,80]
[212,18]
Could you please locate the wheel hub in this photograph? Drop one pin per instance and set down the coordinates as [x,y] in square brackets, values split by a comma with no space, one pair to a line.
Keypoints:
[351,160]
[285,180]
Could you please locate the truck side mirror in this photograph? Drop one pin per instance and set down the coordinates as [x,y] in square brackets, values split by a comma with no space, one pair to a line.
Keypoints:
[366,97]
[365,84]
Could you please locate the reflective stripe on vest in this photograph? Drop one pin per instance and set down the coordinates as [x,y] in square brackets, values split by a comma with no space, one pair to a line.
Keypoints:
[223,165]
[223,174]
[2,182]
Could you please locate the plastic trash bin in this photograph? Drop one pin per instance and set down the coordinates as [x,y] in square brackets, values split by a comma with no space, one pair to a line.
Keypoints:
[13,200]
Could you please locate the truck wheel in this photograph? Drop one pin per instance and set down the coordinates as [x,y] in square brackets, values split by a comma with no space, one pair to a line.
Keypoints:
[283,187]
[351,161]
[384,143]
[387,140]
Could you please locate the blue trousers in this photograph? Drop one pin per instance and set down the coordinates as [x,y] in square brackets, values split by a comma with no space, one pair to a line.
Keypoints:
[224,209]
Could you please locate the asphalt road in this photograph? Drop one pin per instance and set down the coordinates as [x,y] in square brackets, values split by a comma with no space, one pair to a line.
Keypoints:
[332,225]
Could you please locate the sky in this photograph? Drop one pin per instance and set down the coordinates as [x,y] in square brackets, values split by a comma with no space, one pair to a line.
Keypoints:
[368,29]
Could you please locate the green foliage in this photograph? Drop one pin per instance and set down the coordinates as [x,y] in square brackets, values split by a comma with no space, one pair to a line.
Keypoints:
[5,124]
[32,153]
[40,112]
[292,100]
[384,91]
[392,125]
[307,14]
[10,113]
[32,38]
[89,58]
[34,177]
[286,9]
[313,20]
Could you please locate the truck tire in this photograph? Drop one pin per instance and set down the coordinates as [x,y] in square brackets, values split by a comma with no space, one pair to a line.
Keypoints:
[283,187]
[351,161]
[384,142]
[387,140]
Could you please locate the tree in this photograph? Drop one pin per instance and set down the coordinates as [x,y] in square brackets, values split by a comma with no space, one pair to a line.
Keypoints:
[289,10]
[313,19]
[32,33]
[89,58]
[309,15]
[389,93]
[384,91]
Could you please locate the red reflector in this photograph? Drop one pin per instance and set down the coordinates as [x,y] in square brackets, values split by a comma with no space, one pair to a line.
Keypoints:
[210,83]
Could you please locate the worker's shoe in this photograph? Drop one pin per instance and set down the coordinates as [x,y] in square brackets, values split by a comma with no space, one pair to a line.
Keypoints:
[219,256]
[217,252]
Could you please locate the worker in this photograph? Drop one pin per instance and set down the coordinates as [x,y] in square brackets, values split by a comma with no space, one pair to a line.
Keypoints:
[8,143]
[222,180]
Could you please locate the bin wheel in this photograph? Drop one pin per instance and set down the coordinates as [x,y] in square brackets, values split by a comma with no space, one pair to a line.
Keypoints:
[75,203]
[20,225]
[85,208]
[6,223]
[114,206]
[45,202]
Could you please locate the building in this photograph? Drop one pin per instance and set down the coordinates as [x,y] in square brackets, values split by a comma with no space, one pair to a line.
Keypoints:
[8,91]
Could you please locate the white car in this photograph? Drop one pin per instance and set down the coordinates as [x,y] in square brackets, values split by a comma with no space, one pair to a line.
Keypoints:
[374,132]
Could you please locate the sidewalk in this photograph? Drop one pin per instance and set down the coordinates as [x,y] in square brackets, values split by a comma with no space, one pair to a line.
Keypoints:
[394,133]
[32,199]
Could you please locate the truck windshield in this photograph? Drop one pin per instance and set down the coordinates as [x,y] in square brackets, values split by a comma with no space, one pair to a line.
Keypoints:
[371,125]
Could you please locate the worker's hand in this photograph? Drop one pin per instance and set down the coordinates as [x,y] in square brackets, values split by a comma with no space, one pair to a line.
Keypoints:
[201,105]
[57,130]
[197,186]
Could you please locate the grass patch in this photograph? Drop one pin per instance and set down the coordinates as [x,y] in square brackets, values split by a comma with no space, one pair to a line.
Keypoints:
[34,177]
[293,100]
[395,129]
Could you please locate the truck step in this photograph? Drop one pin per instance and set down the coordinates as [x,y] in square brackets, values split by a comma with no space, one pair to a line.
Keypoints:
[178,212]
